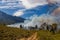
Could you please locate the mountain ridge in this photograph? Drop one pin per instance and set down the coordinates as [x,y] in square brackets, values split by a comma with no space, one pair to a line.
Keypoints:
[8,19]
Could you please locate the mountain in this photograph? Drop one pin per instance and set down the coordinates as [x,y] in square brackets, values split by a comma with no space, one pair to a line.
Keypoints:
[8,19]
[41,9]
[11,11]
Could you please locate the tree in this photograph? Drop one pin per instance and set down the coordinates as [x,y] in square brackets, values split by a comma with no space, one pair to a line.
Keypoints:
[21,26]
[36,26]
[53,28]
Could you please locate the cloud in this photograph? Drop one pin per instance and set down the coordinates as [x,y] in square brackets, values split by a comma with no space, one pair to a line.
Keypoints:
[53,1]
[19,13]
[34,3]
[21,3]
[29,4]
[37,1]
[11,4]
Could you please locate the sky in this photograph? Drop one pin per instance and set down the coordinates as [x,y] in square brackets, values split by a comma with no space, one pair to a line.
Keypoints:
[18,3]
[16,7]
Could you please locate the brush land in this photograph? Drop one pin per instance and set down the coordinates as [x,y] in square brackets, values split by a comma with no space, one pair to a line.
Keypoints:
[10,33]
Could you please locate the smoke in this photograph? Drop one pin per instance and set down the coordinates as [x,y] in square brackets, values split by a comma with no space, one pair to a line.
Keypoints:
[38,20]
[53,1]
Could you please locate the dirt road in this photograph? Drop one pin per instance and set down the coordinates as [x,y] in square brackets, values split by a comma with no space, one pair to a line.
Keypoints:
[33,37]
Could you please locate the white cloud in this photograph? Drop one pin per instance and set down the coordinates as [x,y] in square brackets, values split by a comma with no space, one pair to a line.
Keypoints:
[30,3]
[26,3]
[18,13]
[53,1]
[11,4]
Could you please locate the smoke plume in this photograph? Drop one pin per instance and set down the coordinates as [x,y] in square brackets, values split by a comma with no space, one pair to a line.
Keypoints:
[38,20]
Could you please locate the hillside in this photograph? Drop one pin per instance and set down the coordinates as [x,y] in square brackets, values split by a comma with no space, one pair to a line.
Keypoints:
[8,19]
[10,33]
[46,35]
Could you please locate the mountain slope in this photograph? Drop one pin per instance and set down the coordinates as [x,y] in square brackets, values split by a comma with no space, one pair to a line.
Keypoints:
[8,19]
[10,33]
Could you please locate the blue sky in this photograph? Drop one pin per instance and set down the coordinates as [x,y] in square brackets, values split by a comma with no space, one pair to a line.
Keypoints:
[17,7]
[11,11]
[11,6]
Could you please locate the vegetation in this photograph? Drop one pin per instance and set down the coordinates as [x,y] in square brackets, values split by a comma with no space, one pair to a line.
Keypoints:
[46,35]
[10,33]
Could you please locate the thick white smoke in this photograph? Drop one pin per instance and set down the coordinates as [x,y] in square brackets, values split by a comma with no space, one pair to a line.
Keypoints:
[38,20]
